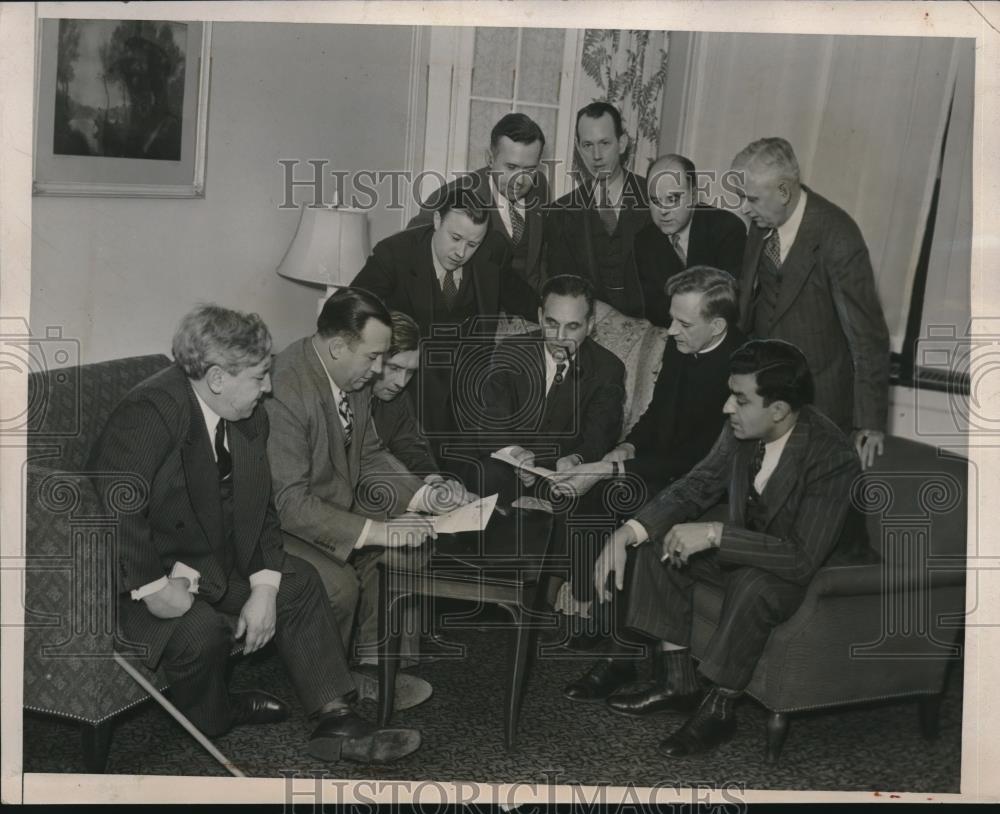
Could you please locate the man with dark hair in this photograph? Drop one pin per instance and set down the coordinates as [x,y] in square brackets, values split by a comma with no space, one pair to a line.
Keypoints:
[683,233]
[453,278]
[343,500]
[512,188]
[807,279]
[205,545]
[788,471]
[392,409]
[591,230]
[553,398]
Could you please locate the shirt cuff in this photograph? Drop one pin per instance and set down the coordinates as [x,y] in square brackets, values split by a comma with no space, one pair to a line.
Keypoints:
[186,571]
[364,533]
[149,588]
[266,576]
[418,503]
[641,535]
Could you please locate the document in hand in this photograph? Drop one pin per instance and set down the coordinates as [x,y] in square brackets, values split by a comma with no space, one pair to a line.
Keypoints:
[507,458]
[470,517]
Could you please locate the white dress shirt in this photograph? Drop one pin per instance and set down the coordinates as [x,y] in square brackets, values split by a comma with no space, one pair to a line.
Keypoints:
[265,576]
[790,228]
[441,271]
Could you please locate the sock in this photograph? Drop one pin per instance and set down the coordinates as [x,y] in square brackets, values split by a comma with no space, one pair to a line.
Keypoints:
[679,671]
[721,702]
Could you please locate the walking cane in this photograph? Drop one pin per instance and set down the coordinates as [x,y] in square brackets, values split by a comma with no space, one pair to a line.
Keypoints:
[178,716]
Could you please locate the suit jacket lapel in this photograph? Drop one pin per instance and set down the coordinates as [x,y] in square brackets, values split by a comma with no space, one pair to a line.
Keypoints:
[739,484]
[423,282]
[788,471]
[334,429]
[755,244]
[201,475]
[800,261]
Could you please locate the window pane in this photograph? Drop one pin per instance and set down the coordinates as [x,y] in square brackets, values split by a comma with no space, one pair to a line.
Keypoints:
[545,117]
[541,64]
[493,62]
[482,117]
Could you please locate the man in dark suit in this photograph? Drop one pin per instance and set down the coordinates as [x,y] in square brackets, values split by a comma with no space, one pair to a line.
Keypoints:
[788,472]
[343,500]
[454,279]
[511,188]
[807,279]
[553,398]
[683,234]
[591,230]
[203,543]
[392,409]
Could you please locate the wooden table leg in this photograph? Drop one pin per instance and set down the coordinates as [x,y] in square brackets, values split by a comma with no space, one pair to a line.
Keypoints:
[524,638]
[388,646]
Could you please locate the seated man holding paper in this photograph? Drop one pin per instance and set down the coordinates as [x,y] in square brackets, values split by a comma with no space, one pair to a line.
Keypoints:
[343,500]
[788,470]
[553,399]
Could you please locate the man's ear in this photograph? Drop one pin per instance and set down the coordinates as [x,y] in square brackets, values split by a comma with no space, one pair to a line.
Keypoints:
[336,343]
[780,410]
[623,142]
[786,192]
[213,378]
[490,158]
[718,326]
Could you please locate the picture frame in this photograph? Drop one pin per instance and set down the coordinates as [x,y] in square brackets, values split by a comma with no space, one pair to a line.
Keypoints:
[121,108]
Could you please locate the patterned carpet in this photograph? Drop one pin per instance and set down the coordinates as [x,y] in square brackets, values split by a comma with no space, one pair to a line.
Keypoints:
[875,748]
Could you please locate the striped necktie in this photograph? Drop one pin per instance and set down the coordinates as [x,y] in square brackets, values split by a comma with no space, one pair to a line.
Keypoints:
[516,224]
[346,418]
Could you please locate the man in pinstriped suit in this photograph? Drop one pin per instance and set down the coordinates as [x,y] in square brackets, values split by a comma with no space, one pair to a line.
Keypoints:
[788,471]
[205,544]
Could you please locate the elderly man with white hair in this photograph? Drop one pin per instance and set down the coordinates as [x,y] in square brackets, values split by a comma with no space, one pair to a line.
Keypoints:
[807,278]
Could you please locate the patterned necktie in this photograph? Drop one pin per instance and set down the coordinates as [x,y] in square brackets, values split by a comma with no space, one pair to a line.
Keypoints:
[448,288]
[756,464]
[607,213]
[560,370]
[346,418]
[516,224]
[223,460]
[772,248]
[675,241]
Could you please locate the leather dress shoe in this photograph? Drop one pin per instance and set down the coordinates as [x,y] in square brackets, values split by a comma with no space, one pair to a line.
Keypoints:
[345,734]
[410,690]
[603,678]
[256,707]
[699,733]
[653,697]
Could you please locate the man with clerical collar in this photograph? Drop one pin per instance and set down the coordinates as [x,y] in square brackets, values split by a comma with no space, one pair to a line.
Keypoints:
[788,472]
[205,545]
[684,233]
[512,188]
[807,278]
[591,230]
[675,431]
[553,398]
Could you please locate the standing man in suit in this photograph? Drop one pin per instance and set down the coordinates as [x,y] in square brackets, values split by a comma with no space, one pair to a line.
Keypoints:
[204,543]
[511,188]
[683,234]
[788,472]
[592,229]
[453,277]
[807,279]
[342,499]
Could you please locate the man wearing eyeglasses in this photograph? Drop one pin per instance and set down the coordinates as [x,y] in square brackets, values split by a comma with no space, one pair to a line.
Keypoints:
[683,234]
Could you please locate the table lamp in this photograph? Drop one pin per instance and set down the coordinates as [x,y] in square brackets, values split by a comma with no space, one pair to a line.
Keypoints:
[329,247]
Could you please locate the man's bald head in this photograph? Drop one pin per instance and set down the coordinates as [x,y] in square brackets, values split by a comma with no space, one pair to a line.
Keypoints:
[672,186]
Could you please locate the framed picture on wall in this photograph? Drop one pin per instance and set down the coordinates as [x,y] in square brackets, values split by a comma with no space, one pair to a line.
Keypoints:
[121,108]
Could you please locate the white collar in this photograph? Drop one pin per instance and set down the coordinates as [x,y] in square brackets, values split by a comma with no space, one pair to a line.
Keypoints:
[709,348]
[502,201]
[338,394]
[790,228]
[211,417]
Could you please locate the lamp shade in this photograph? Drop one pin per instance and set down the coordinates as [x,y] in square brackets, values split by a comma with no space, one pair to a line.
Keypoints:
[329,247]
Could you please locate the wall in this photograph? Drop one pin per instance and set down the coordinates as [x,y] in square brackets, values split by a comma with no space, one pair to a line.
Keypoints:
[117,273]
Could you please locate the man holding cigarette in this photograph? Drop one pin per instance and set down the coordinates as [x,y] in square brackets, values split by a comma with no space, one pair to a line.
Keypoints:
[788,471]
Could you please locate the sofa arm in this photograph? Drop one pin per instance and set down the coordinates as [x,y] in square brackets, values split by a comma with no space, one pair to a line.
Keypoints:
[863,580]
[53,499]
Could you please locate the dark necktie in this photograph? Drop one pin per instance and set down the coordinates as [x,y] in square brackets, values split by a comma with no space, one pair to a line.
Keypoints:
[516,224]
[772,249]
[560,371]
[607,213]
[756,463]
[347,418]
[448,288]
[675,241]
[222,457]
